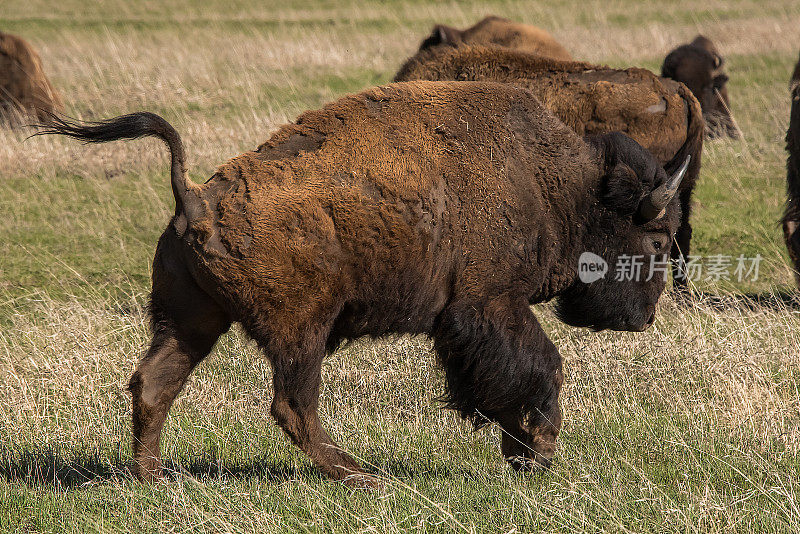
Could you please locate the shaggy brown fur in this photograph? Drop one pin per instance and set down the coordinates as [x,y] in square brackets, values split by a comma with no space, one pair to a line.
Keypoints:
[659,114]
[24,88]
[499,32]
[698,65]
[791,217]
[426,208]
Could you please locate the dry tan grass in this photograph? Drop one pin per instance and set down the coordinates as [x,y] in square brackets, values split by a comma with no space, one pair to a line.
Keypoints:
[739,364]
[700,374]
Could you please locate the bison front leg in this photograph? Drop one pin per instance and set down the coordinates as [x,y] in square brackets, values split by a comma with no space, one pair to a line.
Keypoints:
[791,236]
[527,445]
[501,367]
[680,248]
[297,380]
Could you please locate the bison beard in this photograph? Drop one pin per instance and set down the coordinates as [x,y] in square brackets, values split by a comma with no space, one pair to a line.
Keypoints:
[429,208]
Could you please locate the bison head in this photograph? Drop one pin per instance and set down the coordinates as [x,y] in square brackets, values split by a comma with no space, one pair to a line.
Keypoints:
[442,34]
[631,230]
[698,65]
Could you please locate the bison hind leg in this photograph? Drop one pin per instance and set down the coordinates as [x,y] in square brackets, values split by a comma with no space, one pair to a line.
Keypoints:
[186,324]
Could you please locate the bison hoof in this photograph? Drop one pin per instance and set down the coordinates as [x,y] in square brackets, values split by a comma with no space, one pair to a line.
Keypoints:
[524,464]
[148,472]
[362,481]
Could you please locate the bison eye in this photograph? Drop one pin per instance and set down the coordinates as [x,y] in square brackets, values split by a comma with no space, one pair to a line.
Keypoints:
[655,243]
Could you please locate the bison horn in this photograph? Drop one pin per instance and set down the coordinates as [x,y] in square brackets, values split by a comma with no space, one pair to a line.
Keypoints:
[654,204]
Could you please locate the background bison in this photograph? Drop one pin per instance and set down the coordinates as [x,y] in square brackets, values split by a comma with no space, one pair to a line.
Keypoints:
[698,65]
[659,114]
[500,32]
[24,88]
[431,208]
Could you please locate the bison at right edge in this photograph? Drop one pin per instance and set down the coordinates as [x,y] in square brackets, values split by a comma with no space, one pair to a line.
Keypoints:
[791,216]
[434,208]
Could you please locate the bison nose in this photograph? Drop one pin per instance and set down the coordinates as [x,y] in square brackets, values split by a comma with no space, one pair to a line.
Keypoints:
[641,327]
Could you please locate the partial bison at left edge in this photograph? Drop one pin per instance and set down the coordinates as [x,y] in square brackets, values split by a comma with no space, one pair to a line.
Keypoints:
[24,88]
[436,208]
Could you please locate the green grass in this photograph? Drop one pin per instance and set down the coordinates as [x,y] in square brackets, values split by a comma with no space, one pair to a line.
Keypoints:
[692,426]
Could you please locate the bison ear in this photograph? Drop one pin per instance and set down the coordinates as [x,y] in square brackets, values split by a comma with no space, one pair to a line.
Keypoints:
[629,172]
[622,190]
[441,35]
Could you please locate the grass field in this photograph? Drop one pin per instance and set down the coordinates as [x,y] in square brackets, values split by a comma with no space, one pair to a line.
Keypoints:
[692,426]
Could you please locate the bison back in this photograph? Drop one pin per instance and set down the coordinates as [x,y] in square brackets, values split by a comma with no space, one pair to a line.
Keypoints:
[379,199]
[659,114]
[524,37]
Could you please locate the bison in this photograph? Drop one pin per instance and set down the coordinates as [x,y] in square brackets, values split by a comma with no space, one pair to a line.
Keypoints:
[24,88]
[698,65]
[659,114]
[434,208]
[500,32]
[791,216]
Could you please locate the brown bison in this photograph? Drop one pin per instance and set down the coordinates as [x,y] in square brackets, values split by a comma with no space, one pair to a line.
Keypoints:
[24,89]
[431,208]
[698,65]
[499,32]
[659,114]
[791,217]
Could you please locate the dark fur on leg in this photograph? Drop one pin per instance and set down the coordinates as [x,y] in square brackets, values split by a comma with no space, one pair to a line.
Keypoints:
[500,366]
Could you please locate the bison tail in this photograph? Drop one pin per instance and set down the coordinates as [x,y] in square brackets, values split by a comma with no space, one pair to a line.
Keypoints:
[134,126]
